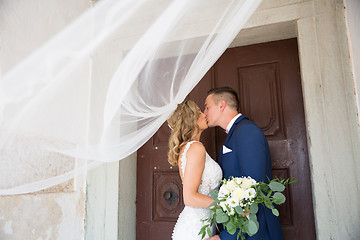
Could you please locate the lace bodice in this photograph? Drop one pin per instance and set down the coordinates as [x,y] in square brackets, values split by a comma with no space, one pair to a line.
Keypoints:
[189,222]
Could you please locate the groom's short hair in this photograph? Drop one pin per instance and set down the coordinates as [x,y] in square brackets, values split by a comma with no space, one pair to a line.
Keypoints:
[227,94]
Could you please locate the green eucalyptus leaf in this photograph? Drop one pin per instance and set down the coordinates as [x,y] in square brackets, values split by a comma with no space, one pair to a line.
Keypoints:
[219,211]
[214,194]
[252,227]
[209,232]
[231,230]
[269,205]
[277,187]
[257,223]
[279,198]
[254,208]
[221,217]
[253,217]
[239,210]
[212,204]
[275,212]
[202,231]
[230,226]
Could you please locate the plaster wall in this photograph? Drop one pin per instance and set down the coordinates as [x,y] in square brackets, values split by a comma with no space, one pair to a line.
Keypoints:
[331,122]
[58,212]
[352,20]
[43,216]
[352,17]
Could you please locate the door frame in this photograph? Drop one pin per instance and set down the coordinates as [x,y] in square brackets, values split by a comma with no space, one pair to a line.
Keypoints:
[327,84]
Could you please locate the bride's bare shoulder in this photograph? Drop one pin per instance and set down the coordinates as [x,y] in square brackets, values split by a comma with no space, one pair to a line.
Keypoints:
[197,150]
[196,146]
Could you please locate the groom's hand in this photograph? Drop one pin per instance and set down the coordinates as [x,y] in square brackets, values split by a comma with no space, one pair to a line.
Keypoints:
[216,237]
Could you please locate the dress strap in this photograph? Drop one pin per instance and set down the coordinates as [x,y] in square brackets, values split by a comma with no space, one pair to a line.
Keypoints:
[183,156]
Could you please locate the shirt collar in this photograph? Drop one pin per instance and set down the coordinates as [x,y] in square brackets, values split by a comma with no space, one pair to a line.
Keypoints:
[232,123]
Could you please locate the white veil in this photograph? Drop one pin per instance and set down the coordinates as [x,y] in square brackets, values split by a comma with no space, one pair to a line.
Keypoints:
[99,89]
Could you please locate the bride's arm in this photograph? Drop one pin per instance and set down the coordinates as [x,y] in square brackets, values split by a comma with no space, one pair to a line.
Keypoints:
[192,178]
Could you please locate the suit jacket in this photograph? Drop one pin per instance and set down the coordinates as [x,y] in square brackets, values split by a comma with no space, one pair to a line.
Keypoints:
[247,154]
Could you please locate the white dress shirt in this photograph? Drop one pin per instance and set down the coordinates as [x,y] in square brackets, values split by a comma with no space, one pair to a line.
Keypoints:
[231,123]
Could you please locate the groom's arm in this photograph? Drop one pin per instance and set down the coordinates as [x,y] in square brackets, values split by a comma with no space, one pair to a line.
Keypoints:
[224,235]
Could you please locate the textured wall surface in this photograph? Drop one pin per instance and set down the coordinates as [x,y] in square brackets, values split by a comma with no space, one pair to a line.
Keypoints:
[58,212]
[43,216]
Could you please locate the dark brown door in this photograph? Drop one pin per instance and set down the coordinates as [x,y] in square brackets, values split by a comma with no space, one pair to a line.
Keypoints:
[267,78]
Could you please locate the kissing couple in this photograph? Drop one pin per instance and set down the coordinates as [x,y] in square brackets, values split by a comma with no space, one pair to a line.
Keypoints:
[244,153]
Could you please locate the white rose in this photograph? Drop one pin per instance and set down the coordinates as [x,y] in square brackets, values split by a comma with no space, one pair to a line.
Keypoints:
[223,191]
[238,180]
[247,183]
[253,181]
[250,193]
[231,185]
[239,194]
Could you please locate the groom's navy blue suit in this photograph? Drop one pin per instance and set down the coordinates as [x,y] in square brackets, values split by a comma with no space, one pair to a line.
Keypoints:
[246,153]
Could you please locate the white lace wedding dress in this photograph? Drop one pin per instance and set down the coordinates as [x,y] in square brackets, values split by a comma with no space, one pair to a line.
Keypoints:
[189,222]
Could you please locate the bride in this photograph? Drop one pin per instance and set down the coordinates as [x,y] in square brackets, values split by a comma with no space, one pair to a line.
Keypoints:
[198,171]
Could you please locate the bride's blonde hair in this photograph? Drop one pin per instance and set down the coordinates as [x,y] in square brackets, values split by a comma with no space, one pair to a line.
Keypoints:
[184,126]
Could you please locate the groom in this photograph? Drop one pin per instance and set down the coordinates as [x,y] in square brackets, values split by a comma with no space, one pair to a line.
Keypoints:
[244,153]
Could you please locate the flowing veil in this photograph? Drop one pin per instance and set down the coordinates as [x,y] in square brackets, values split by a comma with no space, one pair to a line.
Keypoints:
[102,86]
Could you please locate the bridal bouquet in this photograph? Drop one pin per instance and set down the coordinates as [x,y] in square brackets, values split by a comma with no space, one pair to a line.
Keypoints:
[236,204]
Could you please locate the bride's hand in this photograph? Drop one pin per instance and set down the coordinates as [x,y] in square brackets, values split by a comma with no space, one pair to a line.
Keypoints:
[246,214]
[216,237]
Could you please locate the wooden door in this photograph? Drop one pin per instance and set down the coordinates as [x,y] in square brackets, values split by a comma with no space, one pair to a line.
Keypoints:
[267,78]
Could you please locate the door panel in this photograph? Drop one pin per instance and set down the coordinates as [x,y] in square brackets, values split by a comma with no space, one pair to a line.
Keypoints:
[267,78]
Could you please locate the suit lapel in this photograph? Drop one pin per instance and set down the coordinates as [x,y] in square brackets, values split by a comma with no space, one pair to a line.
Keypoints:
[233,128]
[220,157]
[229,136]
